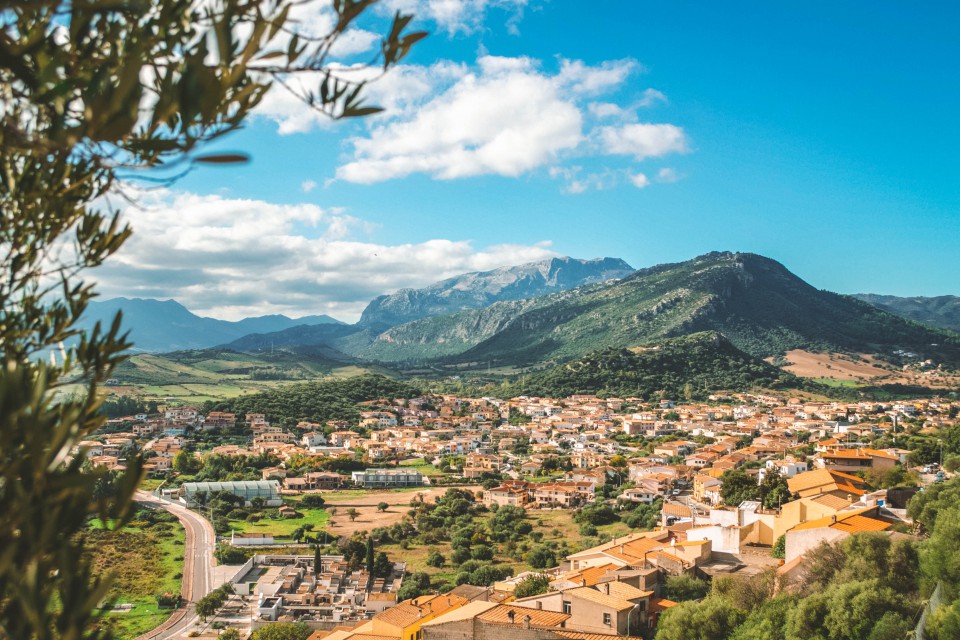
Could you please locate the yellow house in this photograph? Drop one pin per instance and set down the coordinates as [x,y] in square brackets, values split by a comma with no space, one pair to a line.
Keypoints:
[806,509]
[403,621]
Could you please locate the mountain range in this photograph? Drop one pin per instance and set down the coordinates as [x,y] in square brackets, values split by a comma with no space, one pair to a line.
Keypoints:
[562,309]
[755,302]
[938,311]
[166,325]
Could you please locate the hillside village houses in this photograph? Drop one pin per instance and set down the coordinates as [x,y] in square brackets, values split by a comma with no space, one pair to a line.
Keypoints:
[588,450]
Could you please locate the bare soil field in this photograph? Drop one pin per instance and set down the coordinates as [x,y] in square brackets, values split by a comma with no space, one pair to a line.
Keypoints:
[365,502]
[866,369]
[832,365]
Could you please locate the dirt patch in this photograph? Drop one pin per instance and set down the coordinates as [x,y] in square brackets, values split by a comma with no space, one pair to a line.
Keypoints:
[368,516]
[807,364]
[862,368]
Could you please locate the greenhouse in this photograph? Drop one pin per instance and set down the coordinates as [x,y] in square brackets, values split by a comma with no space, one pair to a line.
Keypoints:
[269,490]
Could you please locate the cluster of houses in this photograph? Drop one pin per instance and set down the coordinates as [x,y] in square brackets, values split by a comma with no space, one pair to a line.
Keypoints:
[609,590]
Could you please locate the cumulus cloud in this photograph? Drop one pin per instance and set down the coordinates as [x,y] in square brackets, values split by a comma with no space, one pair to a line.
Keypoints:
[668,175]
[460,16]
[651,97]
[507,116]
[640,180]
[308,185]
[232,258]
[643,140]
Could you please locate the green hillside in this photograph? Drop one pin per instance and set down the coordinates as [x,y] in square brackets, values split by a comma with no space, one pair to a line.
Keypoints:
[199,375]
[941,311]
[755,302]
[687,368]
[317,401]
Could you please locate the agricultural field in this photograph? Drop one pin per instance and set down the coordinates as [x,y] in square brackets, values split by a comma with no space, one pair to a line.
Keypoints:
[146,559]
[198,376]
[318,519]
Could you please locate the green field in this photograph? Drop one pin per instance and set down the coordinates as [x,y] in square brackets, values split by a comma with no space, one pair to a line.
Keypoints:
[144,559]
[284,526]
[838,383]
[198,376]
[421,465]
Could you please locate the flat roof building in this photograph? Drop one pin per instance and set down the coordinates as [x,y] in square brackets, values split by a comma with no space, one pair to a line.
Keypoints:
[388,478]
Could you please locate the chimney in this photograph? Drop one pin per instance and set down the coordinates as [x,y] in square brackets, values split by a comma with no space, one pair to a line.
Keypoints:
[583,582]
[607,587]
[510,616]
[621,548]
[539,605]
[526,622]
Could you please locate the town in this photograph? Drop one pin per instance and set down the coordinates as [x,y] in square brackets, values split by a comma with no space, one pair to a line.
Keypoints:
[743,485]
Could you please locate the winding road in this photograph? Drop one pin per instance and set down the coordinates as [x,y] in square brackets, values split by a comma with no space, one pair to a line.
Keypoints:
[198,563]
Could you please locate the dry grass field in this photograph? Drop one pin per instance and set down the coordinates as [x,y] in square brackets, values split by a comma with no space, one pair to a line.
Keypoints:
[861,369]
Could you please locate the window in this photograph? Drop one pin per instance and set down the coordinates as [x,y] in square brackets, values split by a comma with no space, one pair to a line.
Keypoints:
[606,619]
[566,607]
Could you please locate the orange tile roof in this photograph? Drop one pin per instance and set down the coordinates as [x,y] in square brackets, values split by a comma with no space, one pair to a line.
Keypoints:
[824,481]
[624,590]
[589,575]
[852,522]
[659,604]
[856,524]
[538,617]
[635,550]
[591,594]
[583,635]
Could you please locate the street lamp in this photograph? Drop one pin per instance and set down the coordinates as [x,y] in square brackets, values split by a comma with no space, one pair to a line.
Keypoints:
[630,615]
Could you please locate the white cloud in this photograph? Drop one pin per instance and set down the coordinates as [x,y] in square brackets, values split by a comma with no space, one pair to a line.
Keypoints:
[506,119]
[308,185]
[233,258]
[399,92]
[580,78]
[651,97]
[640,180]
[459,16]
[643,140]
[668,175]
[603,110]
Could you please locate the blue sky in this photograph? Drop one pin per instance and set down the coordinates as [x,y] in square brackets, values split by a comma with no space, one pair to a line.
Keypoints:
[820,134]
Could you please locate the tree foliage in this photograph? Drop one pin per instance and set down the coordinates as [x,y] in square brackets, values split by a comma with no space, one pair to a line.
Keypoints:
[282,631]
[93,92]
[532,585]
[738,486]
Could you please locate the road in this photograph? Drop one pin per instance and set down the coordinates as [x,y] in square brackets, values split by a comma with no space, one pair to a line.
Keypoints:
[198,563]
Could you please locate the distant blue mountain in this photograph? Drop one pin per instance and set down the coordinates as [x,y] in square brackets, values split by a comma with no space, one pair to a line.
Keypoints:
[159,326]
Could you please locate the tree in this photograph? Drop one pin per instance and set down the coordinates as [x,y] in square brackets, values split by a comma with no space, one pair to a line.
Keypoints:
[183,462]
[738,486]
[436,559]
[711,619]
[317,560]
[774,489]
[382,506]
[532,585]
[382,567]
[686,587]
[230,634]
[352,514]
[414,585]
[312,501]
[369,555]
[780,547]
[542,557]
[92,92]
[282,631]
